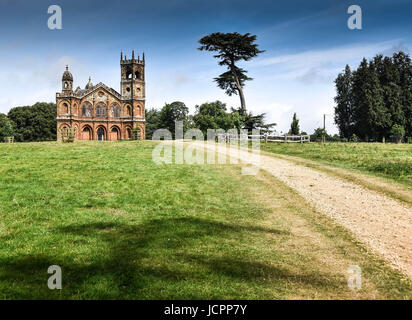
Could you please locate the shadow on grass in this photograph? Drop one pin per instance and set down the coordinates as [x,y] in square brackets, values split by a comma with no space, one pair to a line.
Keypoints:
[169,258]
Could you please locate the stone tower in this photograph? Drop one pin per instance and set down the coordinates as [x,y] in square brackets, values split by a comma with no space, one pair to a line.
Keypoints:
[67,82]
[132,85]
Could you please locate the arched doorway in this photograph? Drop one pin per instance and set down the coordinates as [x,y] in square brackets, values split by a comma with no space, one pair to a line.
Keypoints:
[128,133]
[115,133]
[86,133]
[101,134]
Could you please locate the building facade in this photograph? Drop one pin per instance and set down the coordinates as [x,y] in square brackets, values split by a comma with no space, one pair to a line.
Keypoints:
[98,112]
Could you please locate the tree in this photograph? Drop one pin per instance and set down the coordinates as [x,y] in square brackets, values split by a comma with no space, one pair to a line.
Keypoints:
[152,122]
[232,48]
[252,122]
[344,103]
[294,127]
[379,117]
[403,65]
[175,111]
[374,98]
[397,132]
[389,78]
[354,138]
[319,134]
[213,115]
[6,127]
[370,114]
[34,123]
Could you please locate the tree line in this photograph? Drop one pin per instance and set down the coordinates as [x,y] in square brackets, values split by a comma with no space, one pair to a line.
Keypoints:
[209,115]
[374,102]
[30,123]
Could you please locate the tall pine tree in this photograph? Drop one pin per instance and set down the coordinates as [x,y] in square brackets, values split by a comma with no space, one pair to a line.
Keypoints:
[402,63]
[294,126]
[344,103]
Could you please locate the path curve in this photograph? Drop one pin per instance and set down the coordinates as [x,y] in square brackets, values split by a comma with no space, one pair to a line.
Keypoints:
[381,222]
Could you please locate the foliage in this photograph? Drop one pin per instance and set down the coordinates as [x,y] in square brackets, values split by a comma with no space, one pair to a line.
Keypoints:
[136,133]
[344,103]
[6,127]
[67,134]
[354,138]
[152,122]
[34,123]
[319,134]
[373,98]
[397,132]
[175,111]
[294,127]
[335,138]
[232,48]
[209,115]
[252,122]
[214,115]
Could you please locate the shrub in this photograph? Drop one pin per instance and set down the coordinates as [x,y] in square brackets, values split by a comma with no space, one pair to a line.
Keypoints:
[136,133]
[354,138]
[397,132]
[67,134]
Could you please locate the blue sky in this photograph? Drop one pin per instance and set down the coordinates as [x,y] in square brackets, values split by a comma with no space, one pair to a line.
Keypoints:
[307,44]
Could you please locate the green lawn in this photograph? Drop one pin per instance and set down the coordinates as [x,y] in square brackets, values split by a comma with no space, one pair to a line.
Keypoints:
[393,161]
[120,226]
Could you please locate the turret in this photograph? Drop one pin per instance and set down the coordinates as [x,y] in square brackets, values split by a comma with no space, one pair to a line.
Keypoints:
[132,77]
[89,85]
[67,81]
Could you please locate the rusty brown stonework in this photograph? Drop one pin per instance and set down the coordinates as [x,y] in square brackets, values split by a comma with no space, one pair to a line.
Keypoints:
[98,112]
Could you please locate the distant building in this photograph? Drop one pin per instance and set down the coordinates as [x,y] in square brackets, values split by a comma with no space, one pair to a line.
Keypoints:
[98,112]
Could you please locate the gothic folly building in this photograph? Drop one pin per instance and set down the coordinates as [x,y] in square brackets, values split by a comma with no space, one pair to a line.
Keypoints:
[98,112]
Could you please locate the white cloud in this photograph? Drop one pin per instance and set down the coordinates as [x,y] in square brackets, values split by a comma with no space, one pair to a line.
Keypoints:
[328,56]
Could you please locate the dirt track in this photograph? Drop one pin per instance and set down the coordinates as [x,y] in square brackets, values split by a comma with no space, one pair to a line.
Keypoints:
[379,221]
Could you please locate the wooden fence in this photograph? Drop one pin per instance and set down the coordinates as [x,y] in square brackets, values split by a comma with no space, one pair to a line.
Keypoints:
[286,138]
[264,137]
[9,139]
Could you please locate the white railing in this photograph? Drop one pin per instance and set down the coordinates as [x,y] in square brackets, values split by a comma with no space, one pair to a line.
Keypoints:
[267,137]
[286,138]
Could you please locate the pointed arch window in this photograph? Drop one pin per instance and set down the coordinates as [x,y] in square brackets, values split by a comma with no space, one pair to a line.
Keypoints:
[101,110]
[87,109]
[65,108]
[128,110]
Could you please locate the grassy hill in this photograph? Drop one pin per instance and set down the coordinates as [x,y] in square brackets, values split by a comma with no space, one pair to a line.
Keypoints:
[121,226]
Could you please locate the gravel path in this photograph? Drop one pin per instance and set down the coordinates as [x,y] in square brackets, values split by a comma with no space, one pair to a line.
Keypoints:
[383,223]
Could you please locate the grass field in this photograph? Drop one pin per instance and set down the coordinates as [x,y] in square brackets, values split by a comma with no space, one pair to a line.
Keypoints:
[120,226]
[393,161]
